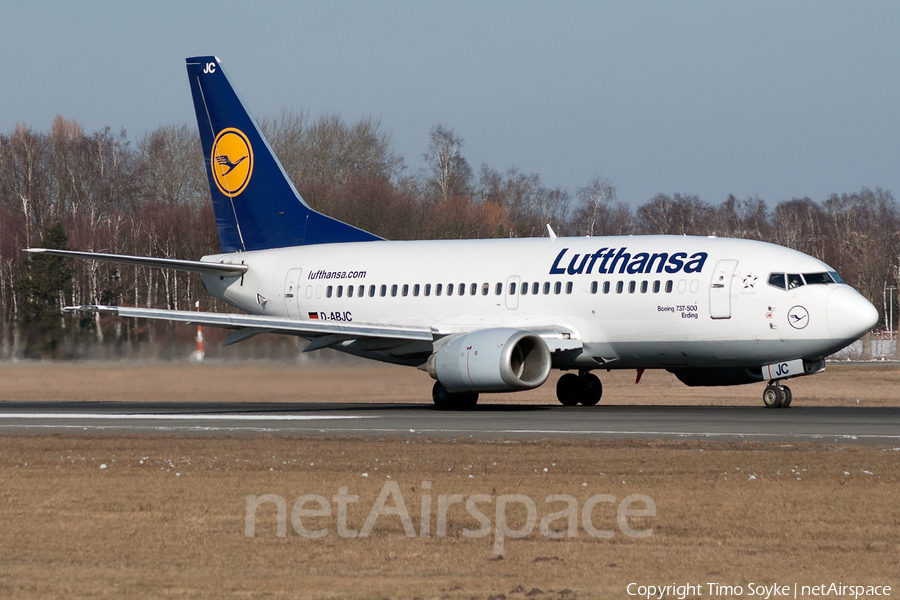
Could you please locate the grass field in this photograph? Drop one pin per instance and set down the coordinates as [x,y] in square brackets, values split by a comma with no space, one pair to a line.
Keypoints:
[362,381]
[151,517]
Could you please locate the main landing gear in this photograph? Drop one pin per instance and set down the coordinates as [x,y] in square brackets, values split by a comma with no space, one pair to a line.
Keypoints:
[444,400]
[777,395]
[584,388]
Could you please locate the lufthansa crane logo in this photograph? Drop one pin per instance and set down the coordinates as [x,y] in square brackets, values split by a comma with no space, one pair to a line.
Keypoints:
[798,317]
[231,161]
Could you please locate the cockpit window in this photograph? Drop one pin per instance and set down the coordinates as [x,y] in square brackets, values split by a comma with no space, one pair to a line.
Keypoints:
[794,280]
[813,278]
[777,280]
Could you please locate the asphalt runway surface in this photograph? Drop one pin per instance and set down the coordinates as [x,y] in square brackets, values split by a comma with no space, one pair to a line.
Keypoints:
[829,425]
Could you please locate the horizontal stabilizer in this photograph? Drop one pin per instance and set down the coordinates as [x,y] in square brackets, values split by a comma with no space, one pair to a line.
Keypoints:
[195,266]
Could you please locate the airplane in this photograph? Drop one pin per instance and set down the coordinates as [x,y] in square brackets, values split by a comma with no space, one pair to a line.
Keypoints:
[496,315]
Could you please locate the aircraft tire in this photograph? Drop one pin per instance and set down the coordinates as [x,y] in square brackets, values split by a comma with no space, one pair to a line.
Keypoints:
[773,396]
[570,389]
[787,397]
[593,390]
[444,400]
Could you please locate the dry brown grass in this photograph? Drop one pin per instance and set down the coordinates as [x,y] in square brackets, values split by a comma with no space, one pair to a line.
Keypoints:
[326,381]
[173,525]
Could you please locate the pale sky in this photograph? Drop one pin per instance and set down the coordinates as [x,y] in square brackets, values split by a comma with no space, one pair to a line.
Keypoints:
[777,99]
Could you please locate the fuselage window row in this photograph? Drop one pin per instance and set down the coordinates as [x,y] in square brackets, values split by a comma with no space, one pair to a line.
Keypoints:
[533,288]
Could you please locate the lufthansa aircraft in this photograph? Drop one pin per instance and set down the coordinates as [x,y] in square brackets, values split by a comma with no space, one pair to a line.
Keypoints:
[497,315]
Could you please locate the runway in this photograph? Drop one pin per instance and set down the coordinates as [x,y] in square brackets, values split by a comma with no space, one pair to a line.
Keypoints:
[830,425]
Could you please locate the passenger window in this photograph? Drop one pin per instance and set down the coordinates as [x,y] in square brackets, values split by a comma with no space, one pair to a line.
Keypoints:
[461,289]
[794,281]
[682,286]
[438,289]
[777,280]
[473,289]
[371,291]
[405,289]
[669,286]
[655,287]
[524,288]
[328,291]
[394,290]
[593,287]
[512,288]
[416,290]
[534,288]
[484,289]
[340,291]
[349,291]
[695,285]
[631,287]
[449,289]
[498,289]
[557,287]
[546,287]
[620,287]
[605,287]
[643,287]
[568,287]
[427,289]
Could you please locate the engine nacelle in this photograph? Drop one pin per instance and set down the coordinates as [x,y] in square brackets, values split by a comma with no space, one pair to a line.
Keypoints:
[491,360]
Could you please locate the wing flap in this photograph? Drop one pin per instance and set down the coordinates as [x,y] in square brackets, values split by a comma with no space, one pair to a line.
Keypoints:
[310,329]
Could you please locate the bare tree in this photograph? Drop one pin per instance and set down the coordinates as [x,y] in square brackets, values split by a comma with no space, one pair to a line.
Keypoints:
[450,172]
[678,215]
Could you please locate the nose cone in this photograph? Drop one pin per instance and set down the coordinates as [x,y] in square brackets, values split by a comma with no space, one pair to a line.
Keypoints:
[850,315]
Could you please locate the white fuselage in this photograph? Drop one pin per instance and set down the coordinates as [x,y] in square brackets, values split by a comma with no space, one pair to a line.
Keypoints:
[631,301]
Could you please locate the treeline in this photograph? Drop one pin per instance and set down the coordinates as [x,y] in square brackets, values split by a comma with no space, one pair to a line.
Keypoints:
[102,192]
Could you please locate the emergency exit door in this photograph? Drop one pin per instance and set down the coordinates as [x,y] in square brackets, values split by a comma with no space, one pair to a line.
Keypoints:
[292,293]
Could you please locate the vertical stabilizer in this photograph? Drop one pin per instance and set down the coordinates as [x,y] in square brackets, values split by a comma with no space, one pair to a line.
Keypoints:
[256,205]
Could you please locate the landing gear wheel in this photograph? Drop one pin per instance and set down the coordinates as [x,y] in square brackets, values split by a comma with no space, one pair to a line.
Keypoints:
[584,388]
[593,390]
[444,400]
[773,396]
[569,389]
[787,397]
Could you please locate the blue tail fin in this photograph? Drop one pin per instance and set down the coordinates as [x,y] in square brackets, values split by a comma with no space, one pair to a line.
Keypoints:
[256,205]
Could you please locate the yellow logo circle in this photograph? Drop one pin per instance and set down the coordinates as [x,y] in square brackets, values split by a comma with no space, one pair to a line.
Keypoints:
[232,161]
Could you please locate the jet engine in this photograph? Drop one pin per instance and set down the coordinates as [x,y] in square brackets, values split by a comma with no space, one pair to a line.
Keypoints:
[491,360]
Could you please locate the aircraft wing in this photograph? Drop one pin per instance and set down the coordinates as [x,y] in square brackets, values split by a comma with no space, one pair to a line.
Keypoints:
[322,333]
[195,266]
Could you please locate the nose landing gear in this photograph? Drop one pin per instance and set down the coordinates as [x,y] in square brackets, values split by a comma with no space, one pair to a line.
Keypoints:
[777,395]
